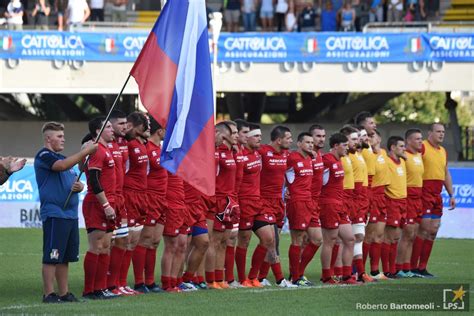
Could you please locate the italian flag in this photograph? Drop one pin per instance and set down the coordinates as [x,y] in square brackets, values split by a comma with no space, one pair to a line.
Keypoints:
[311,45]
[109,45]
[6,42]
[415,44]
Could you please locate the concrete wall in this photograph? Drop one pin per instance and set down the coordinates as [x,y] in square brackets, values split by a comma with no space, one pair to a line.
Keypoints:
[24,138]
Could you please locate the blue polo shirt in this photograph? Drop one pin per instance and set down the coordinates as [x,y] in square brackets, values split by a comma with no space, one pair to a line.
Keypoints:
[54,187]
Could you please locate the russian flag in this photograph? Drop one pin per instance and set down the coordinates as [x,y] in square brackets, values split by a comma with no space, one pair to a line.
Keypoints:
[173,73]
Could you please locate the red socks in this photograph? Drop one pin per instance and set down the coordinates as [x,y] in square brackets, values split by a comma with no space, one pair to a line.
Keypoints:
[346,271]
[374,251]
[365,252]
[337,271]
[425,254]
[138,258]
[219,275]
[257,259]
[385,254]
[306,257]
[406,266]
[335,251]
[393,257]
[210,277]
[126,260]
[326,274]
[240,258]
[359,265]
[264,268]
[90,268]
[188,277]
[276,269]
[150,262]
[165,282]
[294,256]
[416,252]
[100,282]
[229,263]
[116,256]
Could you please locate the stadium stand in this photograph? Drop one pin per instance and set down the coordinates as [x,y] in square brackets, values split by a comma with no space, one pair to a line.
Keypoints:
[461,10]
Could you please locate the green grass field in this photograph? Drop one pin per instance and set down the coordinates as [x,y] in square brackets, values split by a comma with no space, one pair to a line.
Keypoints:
[20,286]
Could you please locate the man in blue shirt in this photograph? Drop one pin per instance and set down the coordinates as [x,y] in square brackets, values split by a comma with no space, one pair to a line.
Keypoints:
[55,178]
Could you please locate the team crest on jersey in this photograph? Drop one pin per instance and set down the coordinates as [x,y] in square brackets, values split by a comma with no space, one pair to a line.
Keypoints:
[334,166]
[54,255]
[417,160]
[107,154]
[110,145]
[300,164]
[400,171]
[380,159]
[269,154]
[136,150]
[223,155]
[153,153]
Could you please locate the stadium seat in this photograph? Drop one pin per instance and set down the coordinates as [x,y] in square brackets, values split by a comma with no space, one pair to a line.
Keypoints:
[147,16]
[461,10]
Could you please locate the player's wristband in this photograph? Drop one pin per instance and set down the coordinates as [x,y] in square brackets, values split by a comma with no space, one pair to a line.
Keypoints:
[450,196]
[105,205]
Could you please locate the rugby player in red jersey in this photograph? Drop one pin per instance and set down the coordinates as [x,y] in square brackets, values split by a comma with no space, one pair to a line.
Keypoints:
[134,192]
[98,212]
[242,129]
[334,220]
[253,216]
[225,205]
[272,179]
[314,231]
[119,125]
[435,176]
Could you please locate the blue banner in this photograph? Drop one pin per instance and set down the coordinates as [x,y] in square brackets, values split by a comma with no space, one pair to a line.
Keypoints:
[249,47]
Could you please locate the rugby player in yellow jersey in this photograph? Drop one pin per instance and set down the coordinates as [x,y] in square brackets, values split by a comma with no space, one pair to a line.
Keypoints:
[395,193]
[435,175]
[414,165]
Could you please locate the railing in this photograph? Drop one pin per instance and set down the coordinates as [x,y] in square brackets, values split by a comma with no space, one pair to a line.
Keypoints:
[424,26]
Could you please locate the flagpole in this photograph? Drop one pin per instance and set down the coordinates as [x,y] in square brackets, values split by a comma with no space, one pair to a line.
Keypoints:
[98,135]
[216,26]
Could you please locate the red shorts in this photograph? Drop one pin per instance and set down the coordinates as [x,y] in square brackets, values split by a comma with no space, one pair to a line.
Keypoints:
[156,207]
[197,214]
[315,221]
[361,197]
[333,215]
[378,205]
[349,202]
[396,211]
[252,210]
[414,210]
[432,204]
[221,204]
[210,202]
[276,207]
[136,203]
[120,210]
[299,214]
[94,215]
[176,222]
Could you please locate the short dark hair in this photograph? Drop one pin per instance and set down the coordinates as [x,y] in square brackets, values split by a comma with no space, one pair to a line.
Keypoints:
[315,126]
[86,138]
[223,127]
[116,114]
[412,131]
[279,131]
[253,126]
[361,117]
[302,135]
[154,125]
[348,129]
[393,140]
[241,123]
[137,119]
[433,125]
[95,124]
[52,126]
[336,139]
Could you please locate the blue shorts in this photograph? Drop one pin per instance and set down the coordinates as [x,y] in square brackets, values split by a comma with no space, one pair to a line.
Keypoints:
[60,240]
[266,14]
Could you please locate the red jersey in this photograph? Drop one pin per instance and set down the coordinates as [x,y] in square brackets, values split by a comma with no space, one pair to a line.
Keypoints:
[250,187]
[333,182]
[114,149]
[226,171]
[175,192]
[137,166]
[122,143]
[299,175]
[157,179]
[239,172]
[318,170]
[272,177]
[102,160]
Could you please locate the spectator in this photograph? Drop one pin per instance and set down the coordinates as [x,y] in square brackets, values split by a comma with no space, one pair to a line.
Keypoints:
[376,11]
[97,10]
[14,15]
[280,12]
[415,12]
[77,12]
[41,13]
[266,15]
[307,18]
[328,18]
[337,4]
[347,15]
[232,15]
[60,6]
[290,18]
[395,11]
[430,8]
[119,10]
[8,166]
[249,15]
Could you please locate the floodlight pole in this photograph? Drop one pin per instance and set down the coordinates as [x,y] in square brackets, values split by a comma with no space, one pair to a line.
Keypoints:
[216,26]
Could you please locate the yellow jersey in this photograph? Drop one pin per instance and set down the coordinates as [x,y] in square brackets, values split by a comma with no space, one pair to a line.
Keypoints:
[348,173]
[415,169]
[397,189]
[381,176]
[434,161]
[369,157]
[360,168]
